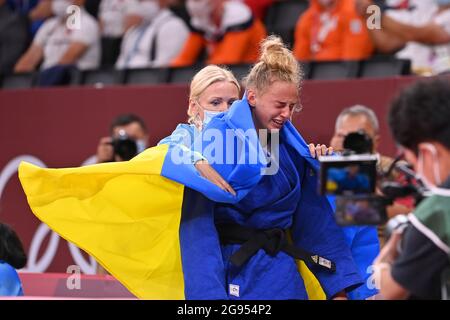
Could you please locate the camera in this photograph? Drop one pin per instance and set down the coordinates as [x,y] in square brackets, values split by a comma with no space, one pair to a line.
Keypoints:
[125,147]
[352,178]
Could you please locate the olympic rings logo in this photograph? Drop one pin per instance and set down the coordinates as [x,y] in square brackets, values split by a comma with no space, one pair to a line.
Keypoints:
[41,264]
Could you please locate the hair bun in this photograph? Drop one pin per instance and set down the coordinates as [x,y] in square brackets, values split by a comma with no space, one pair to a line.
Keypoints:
[276,56]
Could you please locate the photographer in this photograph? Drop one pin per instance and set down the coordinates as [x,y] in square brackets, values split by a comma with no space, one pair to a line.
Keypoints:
[359,118]
[128,137]
[412,264]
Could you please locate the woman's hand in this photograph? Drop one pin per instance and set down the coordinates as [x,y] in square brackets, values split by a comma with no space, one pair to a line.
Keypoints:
[319,150]
[207,172]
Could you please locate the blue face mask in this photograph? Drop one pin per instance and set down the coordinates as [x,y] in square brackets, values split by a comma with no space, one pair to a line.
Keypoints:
[208,115]
[443,2]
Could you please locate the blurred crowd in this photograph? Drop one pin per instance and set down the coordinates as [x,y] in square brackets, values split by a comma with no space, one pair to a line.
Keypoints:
[54,35]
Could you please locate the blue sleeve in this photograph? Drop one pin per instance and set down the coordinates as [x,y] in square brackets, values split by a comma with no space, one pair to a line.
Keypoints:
[10,284]
[315,230]
[365,248]
[183,135]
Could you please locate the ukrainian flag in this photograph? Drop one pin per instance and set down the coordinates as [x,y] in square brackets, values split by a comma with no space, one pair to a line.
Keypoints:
[127,216]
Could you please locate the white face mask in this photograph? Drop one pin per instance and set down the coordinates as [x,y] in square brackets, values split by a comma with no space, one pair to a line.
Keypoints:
[199,8]
[141,145]
[59,7]
[436,172]
[200,13]
[146,9]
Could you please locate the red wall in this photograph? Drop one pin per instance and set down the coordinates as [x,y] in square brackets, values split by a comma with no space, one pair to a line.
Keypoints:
[61,127]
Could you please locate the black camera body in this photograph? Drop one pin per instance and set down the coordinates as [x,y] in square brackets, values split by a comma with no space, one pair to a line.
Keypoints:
[124,147]
[352,179]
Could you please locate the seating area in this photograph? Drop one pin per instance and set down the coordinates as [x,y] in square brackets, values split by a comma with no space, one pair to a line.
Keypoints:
[331,70]
[282,17]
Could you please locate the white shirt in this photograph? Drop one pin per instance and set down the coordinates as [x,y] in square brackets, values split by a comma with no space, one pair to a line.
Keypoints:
[234,13]
[171,34]
[425,59]
[112,14]
[54,37]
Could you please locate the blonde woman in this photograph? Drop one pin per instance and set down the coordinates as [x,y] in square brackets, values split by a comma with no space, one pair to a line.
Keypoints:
[212,91]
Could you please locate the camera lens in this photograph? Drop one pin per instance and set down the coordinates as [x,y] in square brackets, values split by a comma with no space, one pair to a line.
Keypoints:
[358,142]
[125,147]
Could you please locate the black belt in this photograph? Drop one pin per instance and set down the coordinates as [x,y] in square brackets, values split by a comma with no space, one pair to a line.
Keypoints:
[271,240]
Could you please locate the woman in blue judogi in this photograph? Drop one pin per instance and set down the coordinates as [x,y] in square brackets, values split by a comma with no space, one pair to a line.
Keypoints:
[248,249]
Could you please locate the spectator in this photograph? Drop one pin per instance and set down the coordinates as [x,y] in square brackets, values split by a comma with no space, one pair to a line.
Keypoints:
[156,41]
[419,122]
[112,16]
[12,257]
[422,33]
[227,29]
[37,14]
[331,30]
[34,10]
[13,38]
[128,125]
[59,43]
[361,118]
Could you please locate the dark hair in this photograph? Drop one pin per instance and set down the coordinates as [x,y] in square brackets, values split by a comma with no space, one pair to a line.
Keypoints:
[125,119]
[421,113]
[11,249]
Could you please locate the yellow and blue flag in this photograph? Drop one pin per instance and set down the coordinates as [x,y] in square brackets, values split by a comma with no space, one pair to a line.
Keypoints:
[150,221]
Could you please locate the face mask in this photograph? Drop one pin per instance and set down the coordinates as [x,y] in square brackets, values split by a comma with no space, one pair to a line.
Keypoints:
[59,7]
[200,12]
[443,2]
[199,8]
[141,145]
[147,9]
[207,117]
[436,172]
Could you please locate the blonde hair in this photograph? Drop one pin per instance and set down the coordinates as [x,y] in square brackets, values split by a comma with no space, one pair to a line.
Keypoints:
[276,63]
[206,77]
